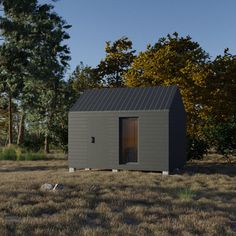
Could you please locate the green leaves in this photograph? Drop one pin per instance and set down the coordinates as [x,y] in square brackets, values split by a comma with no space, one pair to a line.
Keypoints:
[119,57]
[174,60]
[33,59]
[84,77]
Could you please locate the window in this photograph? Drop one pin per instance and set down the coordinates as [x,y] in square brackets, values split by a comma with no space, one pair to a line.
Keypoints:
[128,128]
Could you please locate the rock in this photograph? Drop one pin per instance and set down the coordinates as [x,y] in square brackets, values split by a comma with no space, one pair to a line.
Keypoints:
[46,187]
[58,187]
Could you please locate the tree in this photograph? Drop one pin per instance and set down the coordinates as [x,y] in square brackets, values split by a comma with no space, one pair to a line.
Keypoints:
[33,59]
[175,60]
[3,119]
[59,128]
[15,51]
[12,58]
[49,63]
[221,124]
[223,88]
[84,77]
[119,57]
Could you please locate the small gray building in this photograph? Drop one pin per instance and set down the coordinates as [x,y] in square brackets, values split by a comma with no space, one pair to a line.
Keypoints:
[129,129]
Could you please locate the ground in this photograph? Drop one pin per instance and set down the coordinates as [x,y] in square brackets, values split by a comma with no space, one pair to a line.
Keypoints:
[200,200]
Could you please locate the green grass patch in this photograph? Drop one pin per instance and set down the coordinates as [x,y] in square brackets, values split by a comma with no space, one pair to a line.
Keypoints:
[186,194]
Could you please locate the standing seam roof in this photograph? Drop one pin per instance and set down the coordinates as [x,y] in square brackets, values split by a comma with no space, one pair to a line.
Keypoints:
[126,99]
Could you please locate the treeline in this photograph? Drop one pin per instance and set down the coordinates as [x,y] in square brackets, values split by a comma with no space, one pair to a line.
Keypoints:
[35,96]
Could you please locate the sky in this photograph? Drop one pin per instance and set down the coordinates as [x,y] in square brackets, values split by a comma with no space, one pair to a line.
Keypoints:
[212,23]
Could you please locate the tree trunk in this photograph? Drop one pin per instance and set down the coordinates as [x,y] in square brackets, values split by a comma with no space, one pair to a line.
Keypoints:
[20,138]
[46,144]
[10,135]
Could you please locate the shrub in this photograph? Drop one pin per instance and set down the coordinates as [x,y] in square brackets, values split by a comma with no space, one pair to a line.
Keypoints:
[20,154]
[222,136]
[8,154]
[33,142]
[21,157]
[34,156]
[196,148]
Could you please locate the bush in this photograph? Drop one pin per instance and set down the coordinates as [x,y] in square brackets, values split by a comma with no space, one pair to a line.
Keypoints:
[20,154]
[196,148]
[222,136]
[34,156]
[21,157]
[8,154]
[33,143]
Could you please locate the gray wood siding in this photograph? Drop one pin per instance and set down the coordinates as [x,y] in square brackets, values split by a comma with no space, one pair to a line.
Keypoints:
[177,133]
[77,141]
[153,148]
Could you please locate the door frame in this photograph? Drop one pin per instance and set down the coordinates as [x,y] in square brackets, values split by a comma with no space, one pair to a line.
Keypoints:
[120,142]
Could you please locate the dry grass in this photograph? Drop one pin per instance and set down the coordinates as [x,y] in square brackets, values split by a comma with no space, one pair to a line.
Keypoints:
[201,200]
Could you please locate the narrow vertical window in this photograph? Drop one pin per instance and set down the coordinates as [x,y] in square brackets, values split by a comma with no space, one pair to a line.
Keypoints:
[128,140]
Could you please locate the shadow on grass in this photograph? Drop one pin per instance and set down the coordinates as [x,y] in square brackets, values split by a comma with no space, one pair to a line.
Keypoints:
[31,168]
[209,168]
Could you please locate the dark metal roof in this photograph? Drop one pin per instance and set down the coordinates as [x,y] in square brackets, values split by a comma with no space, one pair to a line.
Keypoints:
[126,99]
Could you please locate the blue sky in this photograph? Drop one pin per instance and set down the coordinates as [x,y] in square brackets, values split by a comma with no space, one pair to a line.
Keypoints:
[212,23]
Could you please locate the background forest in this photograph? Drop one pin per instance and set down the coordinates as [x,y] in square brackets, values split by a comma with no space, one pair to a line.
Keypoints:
[35,95]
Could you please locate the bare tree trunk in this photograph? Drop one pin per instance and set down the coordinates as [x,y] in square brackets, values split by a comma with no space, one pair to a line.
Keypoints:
[10,134]
[46,144]
[20,138]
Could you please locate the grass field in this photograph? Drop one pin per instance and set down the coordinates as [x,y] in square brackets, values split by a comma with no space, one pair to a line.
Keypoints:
[200,200]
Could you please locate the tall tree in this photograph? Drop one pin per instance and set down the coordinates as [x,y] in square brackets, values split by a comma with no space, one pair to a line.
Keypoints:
[13,58]
[222,88]
[49,62]
[175,60]
[33,57]
[119,56]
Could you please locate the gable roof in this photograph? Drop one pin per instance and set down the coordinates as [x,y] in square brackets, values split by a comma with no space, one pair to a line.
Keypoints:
[126,99]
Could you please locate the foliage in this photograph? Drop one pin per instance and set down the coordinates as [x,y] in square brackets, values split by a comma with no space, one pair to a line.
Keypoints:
[50,62]
[119,56]
[17,25]
[14,153]
[196,148]
[3,119]
[84,77]
[33,60]
[178,61]
[59,128]
[222,89]
[33,142]
[222,136]
[8,154]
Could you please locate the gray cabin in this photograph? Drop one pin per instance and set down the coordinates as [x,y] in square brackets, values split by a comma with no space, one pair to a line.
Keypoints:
[128,129]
